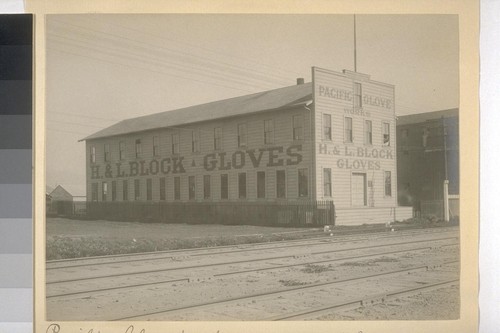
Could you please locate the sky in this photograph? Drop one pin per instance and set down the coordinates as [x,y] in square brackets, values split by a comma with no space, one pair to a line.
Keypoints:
[105,68]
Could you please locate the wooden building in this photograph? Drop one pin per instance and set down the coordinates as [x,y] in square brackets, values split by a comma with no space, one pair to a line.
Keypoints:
[428,154]
[331,139]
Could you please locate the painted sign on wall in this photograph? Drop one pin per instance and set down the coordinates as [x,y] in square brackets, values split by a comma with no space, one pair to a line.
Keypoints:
[358,158]
[251,158]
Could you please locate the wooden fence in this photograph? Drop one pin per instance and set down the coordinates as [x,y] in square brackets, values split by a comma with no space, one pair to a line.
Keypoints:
[293,214]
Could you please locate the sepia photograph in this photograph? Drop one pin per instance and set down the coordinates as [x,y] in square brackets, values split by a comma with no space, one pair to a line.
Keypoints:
[252,167]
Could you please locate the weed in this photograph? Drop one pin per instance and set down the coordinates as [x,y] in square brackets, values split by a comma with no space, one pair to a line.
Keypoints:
[311,268]
[292,283]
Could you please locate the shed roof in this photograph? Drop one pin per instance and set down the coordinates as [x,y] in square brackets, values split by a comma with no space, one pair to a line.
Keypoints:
[426,116]
[263,101]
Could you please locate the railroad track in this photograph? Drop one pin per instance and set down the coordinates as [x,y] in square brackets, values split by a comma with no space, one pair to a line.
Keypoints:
[233,274]
[229,249]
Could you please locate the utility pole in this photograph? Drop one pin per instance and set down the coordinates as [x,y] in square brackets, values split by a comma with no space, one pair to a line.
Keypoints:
[446,200]
[355,60]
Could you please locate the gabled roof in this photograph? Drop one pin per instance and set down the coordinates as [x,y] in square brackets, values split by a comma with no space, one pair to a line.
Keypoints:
[263,101]
[426,116]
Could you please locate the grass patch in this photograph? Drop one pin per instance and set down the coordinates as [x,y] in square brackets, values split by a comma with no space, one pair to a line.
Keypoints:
[312,268]
[70,247]
[292,283]
[371,262]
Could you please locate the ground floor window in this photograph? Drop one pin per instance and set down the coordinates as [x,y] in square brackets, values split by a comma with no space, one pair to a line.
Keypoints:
[192,187]
[388,183]
[125,190]
[303,183]
[104,191]
[327,182]
[224,186]
[149,189]
[177,188]
[242,185]
[137,189]
[280,184]
[206,187]
[94,192]
[162,189]
[113,190]
[261,184]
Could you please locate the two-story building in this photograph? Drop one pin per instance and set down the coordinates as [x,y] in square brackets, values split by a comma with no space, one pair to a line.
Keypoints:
[331,139]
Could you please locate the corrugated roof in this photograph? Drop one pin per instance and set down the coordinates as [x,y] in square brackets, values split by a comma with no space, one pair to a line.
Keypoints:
[426,116]
[267,100]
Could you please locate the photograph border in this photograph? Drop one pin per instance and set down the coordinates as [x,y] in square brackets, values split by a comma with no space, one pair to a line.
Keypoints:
[468,11]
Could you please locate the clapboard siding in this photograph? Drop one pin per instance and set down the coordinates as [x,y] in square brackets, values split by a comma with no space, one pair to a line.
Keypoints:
[348,152]
[283,137]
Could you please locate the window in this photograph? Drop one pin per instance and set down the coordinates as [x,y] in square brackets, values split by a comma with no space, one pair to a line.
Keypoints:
[107,153]
[303,183]
[177,188]
[280,184]
[242,135]
[348,129]
[175,143]
[195,141]
[218,138]
[368,132]
[122,150]
[113,190]
[261,184]
[269,131]
[386,138]
[137,189]
[104,191]
[224,193]
[149,189]
[327,127]
[156,145]
[94,192]
[298,132]
[162,189]
[125,190]
[206,187]
[192,187]
[138,148]
[92,154]
[242,185]
[388,183]
[327,182]
[357,95]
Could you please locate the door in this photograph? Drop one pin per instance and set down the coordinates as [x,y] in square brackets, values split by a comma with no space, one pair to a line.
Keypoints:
[358,189]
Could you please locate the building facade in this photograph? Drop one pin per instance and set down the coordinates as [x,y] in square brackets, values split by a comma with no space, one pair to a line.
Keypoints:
[332,139]
[428,154]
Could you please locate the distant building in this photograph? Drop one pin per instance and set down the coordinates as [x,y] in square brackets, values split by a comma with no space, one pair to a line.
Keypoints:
[59,201]
[428,154]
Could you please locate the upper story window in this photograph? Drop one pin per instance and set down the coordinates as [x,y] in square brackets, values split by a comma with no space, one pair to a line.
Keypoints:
[386,134]
[298,129]
[348,129]
[138,148]
[242,135]
[269,131]
[107,153]
[121,148]
[358,100]
[92,154]
[368,132]
[156,145]
[195,141]
[175,143]
[218,138]
[327,127]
